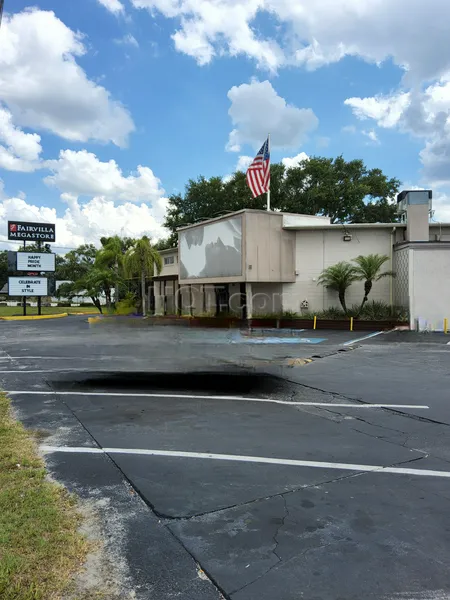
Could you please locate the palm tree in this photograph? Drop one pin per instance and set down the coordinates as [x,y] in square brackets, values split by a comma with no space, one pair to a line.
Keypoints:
[96,282]
[339,277]
[368,270]
[112,256]
[141,259]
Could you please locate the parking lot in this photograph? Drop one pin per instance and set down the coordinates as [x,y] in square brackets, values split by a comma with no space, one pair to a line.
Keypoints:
[226,466]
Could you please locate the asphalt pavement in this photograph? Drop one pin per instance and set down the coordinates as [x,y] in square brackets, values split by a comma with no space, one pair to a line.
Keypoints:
[221,471]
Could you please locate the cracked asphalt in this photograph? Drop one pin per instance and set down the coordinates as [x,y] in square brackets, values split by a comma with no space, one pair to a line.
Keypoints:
[214,479]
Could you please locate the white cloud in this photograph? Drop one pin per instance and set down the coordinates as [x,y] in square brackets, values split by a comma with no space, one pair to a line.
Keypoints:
[294,161]
[348,129]
[83,174]
[422,113]
[19,151]
[213,27]
[257,109]
[316,33]
[113,6]
[127,40]
[87,222]
[385,110]
[243,163]
[372,135]
[45,88]
[441,206]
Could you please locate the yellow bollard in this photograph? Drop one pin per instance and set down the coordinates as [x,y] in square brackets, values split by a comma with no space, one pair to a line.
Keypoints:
[315,323]
[351,323]
[445,325]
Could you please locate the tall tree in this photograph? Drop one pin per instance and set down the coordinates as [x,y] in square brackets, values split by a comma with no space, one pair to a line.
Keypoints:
[76,263]
[4,274]
[142,259]
[368,269]
[164,244]
[111,256]
[346,191]
[78,268]
[339,278]
[337,189]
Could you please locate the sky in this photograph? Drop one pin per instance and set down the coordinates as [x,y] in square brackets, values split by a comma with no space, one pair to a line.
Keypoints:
[109,106]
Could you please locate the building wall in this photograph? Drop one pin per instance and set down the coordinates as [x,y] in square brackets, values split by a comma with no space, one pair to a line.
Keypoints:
[439,233]
[169,269]
[269,249]
[430,286]
[266,298]
[401,281]
[318,249]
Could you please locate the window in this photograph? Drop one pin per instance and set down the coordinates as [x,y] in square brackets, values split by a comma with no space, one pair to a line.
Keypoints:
[169,260]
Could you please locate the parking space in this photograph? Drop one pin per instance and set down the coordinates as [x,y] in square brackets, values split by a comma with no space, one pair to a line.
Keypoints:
[277,482]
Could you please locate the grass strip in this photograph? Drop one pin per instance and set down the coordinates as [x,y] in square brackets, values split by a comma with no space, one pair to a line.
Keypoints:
[40,545]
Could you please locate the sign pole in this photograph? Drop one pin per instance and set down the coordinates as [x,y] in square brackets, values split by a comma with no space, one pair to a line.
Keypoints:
[39,301]
[24,298]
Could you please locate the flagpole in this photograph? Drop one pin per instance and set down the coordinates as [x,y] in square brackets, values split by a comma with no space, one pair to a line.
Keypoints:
[268,191]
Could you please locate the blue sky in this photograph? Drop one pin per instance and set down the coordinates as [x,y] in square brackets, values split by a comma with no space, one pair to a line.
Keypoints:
[163,83]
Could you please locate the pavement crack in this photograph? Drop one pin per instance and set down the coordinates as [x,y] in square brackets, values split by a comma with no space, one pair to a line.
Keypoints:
[168,519]
[395,411]
[277,533]
[256,579]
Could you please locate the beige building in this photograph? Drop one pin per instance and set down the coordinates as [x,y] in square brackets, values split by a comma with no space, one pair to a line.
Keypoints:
[252,262]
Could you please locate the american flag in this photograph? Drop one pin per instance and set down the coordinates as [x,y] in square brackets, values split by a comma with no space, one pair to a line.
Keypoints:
[258,173]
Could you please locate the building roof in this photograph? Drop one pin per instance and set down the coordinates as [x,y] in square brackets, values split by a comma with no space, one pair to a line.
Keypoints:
[356,226]
[313,226]
[249,210]
[167,250]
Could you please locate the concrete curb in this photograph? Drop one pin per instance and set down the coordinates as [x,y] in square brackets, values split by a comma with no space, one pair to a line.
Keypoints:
[35,317]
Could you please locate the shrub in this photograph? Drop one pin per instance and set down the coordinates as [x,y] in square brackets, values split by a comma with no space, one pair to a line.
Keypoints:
[332,313]
[378,311]
[3,304]
[86,304]
[291,314]
[127,306]
[65,304]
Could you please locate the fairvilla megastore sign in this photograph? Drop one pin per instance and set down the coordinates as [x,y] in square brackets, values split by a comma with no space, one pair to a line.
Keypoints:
[22,231]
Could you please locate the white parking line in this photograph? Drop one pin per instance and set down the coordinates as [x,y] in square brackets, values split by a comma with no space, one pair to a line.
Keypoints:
[68,370]
[251,459]
[366,337]
[200,397]
[96,357]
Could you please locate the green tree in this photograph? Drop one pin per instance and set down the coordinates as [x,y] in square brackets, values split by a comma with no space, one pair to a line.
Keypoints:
[203,199]
[95,283]
[4,268]
[111,256]
[339,278]
[164,244]
[76,263]
[338,189]
[345,191]
[142,259]
[83,278]
[368,269]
